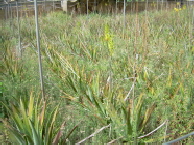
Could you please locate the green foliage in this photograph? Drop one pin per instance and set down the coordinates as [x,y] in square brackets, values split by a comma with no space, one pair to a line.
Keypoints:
[133,77]
[31,123]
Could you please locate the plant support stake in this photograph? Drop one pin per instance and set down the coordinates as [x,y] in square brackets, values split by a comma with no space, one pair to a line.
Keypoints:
[178,139]
[124,18]
[124,14]
[19,37]
[39,52]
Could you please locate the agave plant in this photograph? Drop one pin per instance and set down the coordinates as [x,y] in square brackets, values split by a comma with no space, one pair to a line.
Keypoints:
[127,118]
[12,65]
[103,99]
[31,123]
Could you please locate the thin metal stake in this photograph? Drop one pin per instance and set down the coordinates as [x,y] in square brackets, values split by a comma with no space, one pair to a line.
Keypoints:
[6,12]
[19,37]
[178,139]
[87,6]
[39,52]
[11,16]
[124,20]
[8,16]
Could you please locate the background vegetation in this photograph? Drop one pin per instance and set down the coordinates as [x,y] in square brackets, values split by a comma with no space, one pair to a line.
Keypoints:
[100,72]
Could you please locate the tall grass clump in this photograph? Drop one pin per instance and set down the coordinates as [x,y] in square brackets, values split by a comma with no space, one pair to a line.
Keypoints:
[135,80]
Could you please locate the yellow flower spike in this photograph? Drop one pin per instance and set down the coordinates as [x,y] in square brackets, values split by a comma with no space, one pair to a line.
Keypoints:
[176,10]
[109,39]
[145,74]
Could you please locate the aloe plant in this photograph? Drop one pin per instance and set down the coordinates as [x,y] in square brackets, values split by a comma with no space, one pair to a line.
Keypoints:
[107,105]
[31,123]
[96,67]
[12,65]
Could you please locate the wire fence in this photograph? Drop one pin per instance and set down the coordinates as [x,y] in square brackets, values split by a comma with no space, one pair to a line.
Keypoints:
[25,9]
[81,7]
